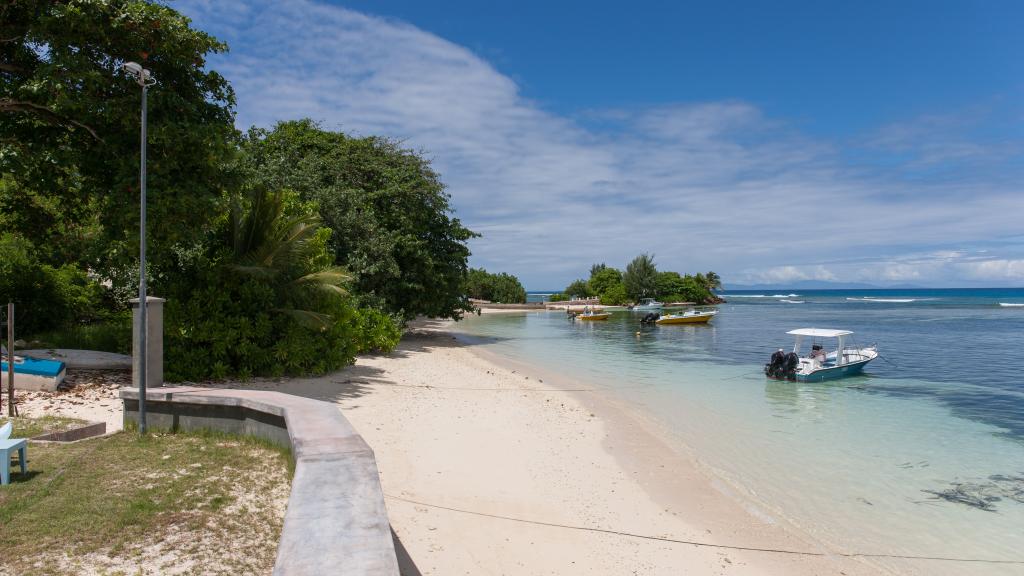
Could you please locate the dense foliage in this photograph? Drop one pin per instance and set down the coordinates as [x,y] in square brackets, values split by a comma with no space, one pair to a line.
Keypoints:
[503,288]
[641,277]
[393,226]
[613,287]
[265,300]
[45,296]
[69,129]
[282,251]
[578,289]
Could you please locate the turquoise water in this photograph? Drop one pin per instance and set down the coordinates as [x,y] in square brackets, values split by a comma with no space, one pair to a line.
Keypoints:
[878,464]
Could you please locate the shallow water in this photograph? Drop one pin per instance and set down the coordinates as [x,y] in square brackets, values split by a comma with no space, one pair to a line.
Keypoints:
[859,462]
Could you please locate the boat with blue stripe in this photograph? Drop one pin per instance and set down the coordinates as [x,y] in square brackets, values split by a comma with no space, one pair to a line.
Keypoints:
[33,373]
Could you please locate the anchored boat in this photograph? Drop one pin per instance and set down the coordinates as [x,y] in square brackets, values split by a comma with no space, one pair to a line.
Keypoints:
[592,316]
[688,317]
[648,304]
[819,364]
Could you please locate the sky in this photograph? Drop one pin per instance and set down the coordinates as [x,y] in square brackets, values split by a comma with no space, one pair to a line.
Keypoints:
[772,142]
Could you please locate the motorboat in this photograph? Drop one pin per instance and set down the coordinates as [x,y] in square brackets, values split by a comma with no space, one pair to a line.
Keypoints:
[819,364]
[648,304]
[592,316]
[688,317]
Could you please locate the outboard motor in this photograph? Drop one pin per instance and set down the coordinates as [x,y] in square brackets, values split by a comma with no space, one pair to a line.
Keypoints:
[650,318]
[773,369]
[790,365]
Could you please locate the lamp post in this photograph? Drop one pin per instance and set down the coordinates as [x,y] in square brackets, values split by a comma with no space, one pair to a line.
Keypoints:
[145,80]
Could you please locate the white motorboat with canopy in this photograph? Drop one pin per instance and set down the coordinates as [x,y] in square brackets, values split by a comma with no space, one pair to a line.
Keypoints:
[820,364]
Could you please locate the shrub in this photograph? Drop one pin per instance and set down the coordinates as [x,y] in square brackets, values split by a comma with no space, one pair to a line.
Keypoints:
[45,298]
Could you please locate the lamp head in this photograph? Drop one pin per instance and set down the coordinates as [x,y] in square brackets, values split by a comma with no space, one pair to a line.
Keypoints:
[135,70]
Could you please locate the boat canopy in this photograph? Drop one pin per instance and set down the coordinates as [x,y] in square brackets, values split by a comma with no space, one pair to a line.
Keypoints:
[819,332]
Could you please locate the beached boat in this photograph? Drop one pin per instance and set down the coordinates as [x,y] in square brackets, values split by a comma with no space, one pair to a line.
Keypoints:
[592,316]
[688,317]
[820,364]
[648,304]
[33,373]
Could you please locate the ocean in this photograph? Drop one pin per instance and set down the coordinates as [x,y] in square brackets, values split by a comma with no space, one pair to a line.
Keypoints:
[923,455]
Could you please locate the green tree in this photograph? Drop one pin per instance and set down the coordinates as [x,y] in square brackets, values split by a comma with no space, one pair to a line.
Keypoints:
[615,295]
[263,298]
[712,281]
[394,229]
[670,286]
[69,129]
[596,268]
[578,288]
[695,289]
[641,277]
[604,279]
[503,288]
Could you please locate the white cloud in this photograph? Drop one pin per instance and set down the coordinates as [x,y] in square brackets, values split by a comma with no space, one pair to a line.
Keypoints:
[712,185]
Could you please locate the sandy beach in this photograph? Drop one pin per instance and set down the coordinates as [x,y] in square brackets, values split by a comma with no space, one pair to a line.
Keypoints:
[490,467]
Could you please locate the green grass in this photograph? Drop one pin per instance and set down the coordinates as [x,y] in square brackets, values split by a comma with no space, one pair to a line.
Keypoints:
[25,427]
[110,336]
[93,505]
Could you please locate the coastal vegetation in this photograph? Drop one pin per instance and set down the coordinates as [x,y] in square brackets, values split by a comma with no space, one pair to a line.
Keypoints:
[641,279]
[501,288]
[280,251]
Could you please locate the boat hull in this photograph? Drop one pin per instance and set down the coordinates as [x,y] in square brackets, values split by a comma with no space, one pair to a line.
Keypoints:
[34,374]
[695,319]
[834,372]
[594,317]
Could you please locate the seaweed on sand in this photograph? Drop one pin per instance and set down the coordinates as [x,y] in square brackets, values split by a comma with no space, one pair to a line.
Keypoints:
[983,495]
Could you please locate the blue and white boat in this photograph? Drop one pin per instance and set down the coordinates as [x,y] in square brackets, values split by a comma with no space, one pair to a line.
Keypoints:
[648,305]
[819,365]
[33,373]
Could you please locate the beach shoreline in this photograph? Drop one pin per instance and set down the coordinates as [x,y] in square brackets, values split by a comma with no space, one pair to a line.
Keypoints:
[490,466]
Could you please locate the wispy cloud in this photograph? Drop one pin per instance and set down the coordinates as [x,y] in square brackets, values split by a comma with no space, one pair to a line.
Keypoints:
[711,185]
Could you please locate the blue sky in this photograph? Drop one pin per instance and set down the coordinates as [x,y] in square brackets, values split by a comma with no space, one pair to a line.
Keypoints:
[878,142]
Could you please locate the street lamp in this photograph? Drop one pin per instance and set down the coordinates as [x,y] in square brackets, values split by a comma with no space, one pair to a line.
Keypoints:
[145,80]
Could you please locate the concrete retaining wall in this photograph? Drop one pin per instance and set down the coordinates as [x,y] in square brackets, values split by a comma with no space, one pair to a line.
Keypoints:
[336,521]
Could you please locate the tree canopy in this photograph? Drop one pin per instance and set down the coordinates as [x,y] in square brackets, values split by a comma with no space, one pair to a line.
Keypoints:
[641,277]
[503,288]
[394,229]
[69,128]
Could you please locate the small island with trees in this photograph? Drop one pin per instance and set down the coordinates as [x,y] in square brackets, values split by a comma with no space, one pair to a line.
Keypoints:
[641,279]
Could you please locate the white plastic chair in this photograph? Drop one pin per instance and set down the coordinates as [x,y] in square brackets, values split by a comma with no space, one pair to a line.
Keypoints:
[5,431]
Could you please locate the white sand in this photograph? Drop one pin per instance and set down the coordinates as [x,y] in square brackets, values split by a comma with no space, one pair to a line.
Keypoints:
[89,394]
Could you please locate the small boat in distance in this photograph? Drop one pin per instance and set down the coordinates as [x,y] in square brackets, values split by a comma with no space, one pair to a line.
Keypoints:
[820,364]
[688,317]
[593,316]
[1011,305]
[648,304]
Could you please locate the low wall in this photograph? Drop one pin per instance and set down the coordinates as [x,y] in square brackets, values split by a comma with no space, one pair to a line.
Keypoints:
[336,521]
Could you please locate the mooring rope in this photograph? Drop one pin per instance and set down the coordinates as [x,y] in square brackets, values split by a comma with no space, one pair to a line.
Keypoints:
[698,543]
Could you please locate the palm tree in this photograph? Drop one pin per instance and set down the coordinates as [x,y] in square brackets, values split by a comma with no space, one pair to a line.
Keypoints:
[282,250]
[713,281]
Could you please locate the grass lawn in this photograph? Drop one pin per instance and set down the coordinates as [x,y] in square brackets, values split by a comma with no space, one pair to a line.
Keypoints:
[162,504]
[32,427]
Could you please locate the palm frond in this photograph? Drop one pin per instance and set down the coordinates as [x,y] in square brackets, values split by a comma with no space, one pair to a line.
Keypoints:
[307,318]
